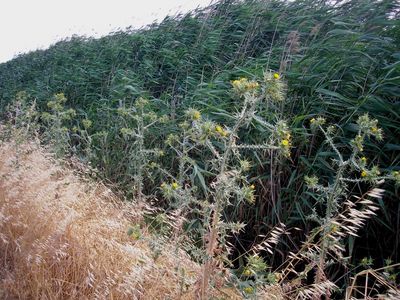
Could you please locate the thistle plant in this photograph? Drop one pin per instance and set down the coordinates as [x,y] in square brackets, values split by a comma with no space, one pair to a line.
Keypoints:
[23,116]
[344,213]
[253,95]
[56,121]
[22,122]
[228,183]
[137,121]
[253,275]
[82,140]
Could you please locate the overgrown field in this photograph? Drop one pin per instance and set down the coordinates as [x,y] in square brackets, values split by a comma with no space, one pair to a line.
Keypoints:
[269,131]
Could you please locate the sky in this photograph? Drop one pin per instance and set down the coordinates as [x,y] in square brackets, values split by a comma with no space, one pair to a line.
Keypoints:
[27,25]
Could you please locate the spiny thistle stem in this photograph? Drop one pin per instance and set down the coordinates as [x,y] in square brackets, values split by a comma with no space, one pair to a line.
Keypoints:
[139,167]
[219,200]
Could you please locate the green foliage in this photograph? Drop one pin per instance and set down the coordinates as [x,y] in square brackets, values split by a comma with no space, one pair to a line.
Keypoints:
[336,61]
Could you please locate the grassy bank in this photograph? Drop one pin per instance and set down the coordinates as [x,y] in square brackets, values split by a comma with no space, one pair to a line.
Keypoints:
[63,237]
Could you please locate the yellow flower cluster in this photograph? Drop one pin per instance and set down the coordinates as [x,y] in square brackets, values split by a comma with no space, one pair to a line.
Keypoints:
[222,132]
[243,85]
[173,185]
[248,193]
[369,127]
[57,105]
[169,190]
[274,87]
[371,174]
[283,137]
[315,122]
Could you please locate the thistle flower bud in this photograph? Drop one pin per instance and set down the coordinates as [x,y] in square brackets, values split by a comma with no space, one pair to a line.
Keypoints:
[86,123]
[193,114]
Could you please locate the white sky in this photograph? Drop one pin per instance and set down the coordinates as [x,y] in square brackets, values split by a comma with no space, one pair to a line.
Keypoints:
[36,24]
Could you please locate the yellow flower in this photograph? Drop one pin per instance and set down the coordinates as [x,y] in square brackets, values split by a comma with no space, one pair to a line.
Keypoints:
[246,272]
[364,159]
[175,185]
[196,115]
[277,76]
[248,290]
[252,187]
[374,129]
[218,129]
[364,173]
[285,143]
[312,120]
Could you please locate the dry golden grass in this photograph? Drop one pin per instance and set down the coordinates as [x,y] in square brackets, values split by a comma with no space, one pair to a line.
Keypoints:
[63,238]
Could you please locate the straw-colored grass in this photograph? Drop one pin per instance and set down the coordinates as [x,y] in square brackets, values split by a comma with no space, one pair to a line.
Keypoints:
[62,237]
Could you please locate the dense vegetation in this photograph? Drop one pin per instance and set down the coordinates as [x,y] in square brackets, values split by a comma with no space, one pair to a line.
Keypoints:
[123,102]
